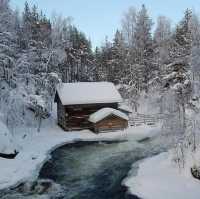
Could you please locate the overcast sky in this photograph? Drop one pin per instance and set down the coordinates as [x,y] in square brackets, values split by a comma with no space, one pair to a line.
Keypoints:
[98,18]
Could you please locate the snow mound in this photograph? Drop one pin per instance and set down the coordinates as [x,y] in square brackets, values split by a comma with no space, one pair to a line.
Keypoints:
[159,178]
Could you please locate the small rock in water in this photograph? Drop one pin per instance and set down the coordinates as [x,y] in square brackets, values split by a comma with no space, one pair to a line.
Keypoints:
[195,172]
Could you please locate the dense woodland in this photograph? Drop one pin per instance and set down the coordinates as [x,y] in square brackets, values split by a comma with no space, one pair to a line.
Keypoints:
[160,64]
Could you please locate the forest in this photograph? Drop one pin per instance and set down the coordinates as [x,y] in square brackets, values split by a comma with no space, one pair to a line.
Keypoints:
[157,61]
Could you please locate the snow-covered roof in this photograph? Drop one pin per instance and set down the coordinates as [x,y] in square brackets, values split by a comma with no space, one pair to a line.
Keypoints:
[104,112]
[88,93]
[125,108]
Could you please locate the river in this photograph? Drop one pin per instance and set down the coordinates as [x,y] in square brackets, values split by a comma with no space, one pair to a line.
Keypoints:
[88,170]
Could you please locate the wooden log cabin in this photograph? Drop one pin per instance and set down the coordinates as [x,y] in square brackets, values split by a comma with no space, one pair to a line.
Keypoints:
[107,119]
[89,105]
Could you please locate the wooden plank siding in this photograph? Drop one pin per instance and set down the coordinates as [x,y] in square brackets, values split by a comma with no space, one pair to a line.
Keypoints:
[110,123]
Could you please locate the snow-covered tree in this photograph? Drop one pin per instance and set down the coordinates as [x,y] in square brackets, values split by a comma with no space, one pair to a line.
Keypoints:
[128,26]
[144,46]
[183,35]
[162,40]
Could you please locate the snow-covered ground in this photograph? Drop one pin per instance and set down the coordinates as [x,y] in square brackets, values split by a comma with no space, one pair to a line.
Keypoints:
[36,147]
[159,178]
[5,140]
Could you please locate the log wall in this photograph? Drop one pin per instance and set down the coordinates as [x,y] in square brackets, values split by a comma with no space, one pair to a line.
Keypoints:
[110,123]
[61,114]
[75,117]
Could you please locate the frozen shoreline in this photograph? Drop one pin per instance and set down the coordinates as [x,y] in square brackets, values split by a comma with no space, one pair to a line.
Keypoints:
[36,150]
[158,178]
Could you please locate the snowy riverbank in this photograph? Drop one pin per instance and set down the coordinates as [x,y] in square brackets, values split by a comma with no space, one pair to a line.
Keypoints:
[158,177]
[36,148]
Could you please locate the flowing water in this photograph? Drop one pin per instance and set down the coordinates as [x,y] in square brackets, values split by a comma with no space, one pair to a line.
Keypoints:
[87,170]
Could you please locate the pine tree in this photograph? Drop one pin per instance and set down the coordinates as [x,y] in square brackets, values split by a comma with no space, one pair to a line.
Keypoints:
[144,46]
[117,66]
[183,35]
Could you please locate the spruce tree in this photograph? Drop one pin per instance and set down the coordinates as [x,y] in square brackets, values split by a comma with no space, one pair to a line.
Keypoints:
[144,46]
